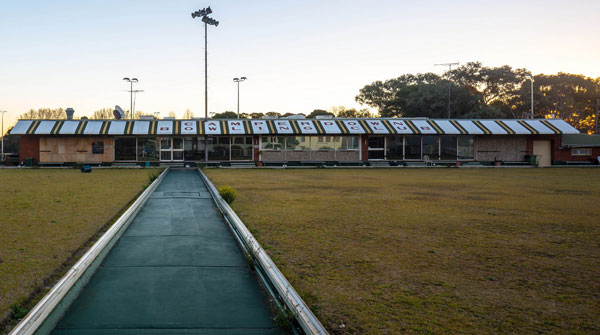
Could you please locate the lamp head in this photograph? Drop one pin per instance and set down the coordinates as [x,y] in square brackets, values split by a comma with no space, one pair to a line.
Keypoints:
[244,78]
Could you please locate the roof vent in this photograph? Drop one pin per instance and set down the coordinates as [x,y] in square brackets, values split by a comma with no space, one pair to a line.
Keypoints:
[70,111]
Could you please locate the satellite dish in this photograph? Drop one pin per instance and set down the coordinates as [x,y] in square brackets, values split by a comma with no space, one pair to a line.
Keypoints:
[118,112]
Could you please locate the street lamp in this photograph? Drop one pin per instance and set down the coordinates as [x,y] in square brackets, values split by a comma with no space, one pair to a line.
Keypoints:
[449,65]
[2,133]
[530,77]
[131,81]
[203,13]
[238,80]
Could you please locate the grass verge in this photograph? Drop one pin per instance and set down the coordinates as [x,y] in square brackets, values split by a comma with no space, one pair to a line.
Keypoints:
[50,217]
[432,251]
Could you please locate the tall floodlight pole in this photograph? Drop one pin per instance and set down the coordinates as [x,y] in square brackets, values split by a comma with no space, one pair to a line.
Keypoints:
[131,81]
[530,77]
[203,13]
[2,133]
[449,65]
[238,80]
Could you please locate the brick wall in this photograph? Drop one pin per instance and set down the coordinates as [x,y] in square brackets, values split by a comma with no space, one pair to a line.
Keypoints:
[29,146]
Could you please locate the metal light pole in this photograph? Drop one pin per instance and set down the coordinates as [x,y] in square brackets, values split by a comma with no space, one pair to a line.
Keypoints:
[530,77]
[449,65]
[2,133]
[131,81]
[203,13]
[238,80]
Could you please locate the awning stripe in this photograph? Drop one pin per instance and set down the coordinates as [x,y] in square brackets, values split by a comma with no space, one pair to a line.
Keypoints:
[57,127]
[459,127]
[435,126]
[342,127]
[412,127]
[549,125]
[505,127]
[367,129]
[482,127]
[528,127]
[33,127]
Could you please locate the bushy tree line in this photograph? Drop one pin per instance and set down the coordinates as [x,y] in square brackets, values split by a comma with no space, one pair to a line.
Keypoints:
[485,92]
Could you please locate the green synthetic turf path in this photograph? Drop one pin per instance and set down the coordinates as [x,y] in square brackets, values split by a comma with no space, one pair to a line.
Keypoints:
[176,270]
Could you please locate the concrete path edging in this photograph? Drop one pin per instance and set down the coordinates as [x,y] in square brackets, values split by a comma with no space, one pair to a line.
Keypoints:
[33,321]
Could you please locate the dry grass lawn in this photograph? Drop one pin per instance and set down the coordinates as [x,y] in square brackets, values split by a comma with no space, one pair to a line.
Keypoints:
[48,214]
[432,251]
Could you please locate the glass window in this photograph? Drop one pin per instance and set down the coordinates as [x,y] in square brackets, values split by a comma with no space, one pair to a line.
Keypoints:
[147,149]
[347,143]
[177,143]
[394,147]
[465,147]
[165,143]
[448,147]
[97,148]
[297,143]
[322,143]
[241,148]
[376,142]
[581,151]
[412,147]
[431,147]
[125,149]
[177,155]
[165,155]
[193,148]
[272,143]
[218,148]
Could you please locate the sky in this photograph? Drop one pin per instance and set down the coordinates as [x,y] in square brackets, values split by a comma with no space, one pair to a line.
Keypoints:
[297,55]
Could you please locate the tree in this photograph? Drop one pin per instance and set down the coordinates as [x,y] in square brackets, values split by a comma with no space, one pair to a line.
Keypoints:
[317,112]
[341,111]
[272,114]
[44,113]
[225,115]
[498,86]
[188,114]
[256,115]
[382,95]
[104,113]
[172,114]
[568,96]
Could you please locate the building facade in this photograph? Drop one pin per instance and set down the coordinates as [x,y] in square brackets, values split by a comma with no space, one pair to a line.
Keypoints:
[335,140]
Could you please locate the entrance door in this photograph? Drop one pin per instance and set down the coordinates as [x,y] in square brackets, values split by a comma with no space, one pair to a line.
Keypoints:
[177,149]
[376,147]
[171,149]
[542,149]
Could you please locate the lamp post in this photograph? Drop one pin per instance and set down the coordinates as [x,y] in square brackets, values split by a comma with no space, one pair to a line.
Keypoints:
[131,81]
[203,13]
[238,80]
[530,77]
[2,133]
[449,65]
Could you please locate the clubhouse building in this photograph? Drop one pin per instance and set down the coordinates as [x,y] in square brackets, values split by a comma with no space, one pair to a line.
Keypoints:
[296,141]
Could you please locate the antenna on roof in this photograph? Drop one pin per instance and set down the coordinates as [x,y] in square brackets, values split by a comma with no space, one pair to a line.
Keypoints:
[118,112]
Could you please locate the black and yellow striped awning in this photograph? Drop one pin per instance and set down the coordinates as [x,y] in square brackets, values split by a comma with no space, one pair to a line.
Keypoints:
[282,126]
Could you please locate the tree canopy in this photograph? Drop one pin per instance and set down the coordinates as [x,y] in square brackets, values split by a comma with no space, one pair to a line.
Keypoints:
[478,91]
[44,113]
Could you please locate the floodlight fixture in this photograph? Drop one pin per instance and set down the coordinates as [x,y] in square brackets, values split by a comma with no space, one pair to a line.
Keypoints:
[238,80]
[131,81]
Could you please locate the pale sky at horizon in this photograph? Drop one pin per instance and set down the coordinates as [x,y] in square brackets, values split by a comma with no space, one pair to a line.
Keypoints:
[298,55]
